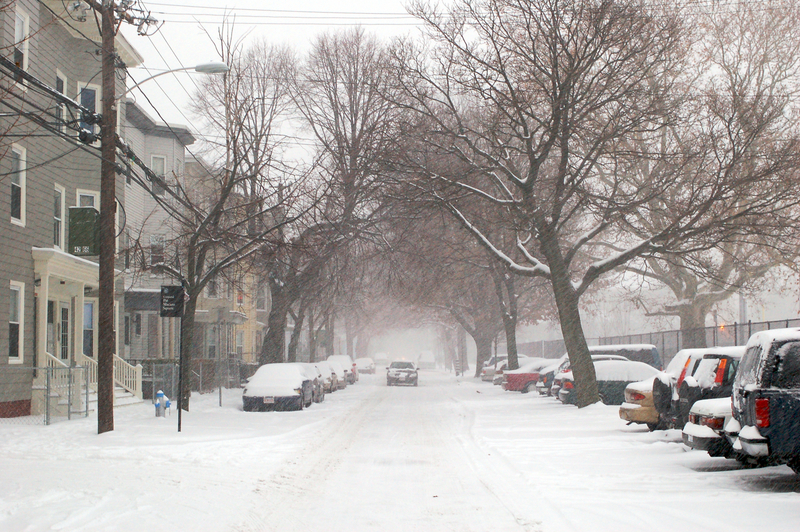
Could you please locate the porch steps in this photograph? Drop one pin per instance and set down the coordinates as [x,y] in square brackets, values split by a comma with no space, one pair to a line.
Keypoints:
[122,397]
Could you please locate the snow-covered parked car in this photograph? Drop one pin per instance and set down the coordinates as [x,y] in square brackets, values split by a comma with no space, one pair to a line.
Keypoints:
[525,378]
[547,374]
[365,365]
[713,377]
[278,387]
[491,366]
[341,374]
[638,406]
[766,398]
[330,382]
[667,382]
[315,374]
[351,373]
[402,372]
[613,375]
[705,429]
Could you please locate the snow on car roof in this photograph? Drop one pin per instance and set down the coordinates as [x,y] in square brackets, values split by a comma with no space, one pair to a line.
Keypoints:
[620,346]
[623,370]
[532,365]
[764,338]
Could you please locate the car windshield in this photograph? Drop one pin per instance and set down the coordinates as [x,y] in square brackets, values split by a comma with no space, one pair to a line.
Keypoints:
[402,365]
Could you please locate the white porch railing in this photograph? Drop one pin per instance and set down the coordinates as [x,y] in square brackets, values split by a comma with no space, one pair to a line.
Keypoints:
[125,375]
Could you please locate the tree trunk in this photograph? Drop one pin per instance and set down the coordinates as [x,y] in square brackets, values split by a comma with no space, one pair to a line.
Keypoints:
[291,355]
[693,323]
[329,336]
[507,299]
[462,349]
[273,348]
[312,339]
[569,317]
[362,344]
[483,345]
[187,349]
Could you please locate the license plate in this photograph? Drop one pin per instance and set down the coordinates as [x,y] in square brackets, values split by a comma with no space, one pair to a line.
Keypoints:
[269,400]
[402,377]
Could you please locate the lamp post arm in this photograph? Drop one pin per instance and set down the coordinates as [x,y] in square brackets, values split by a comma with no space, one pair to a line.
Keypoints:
[129,89]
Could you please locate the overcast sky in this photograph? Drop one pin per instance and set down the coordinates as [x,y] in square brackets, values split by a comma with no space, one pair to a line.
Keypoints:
[182,40]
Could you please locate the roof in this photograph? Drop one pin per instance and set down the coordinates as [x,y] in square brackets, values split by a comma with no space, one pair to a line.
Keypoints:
[143,122]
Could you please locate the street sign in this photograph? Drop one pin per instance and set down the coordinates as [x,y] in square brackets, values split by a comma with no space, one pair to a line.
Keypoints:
[172,298]
[84,231]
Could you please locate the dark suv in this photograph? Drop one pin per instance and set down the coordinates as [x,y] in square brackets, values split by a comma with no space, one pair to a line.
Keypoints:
[766,398]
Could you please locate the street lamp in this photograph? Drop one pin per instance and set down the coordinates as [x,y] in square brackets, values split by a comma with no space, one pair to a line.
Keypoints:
[213,67]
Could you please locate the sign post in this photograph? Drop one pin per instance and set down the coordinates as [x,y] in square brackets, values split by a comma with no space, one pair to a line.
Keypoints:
[172,299]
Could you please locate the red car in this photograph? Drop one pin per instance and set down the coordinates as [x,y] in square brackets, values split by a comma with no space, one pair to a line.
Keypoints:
[524,379]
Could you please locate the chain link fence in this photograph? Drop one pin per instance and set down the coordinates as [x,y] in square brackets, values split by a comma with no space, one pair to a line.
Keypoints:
[206,375]
[41,396]
[667,342]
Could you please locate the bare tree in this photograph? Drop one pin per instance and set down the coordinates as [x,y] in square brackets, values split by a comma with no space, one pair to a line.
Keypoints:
[541,98]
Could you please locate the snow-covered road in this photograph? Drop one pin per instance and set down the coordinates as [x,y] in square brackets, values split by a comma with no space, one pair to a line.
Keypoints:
[451,454]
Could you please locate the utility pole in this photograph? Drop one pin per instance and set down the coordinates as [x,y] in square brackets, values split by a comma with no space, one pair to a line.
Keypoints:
[111,16]
[107,330]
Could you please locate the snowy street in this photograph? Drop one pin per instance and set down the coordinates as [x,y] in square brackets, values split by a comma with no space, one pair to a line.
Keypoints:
[452,454]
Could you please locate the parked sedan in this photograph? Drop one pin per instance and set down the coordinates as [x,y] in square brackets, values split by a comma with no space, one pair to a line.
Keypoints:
[315,374]
[402,372]
[278,387]
[351,373]
[329,381]
[365,365]
[638,406]
[341,374]
[612,378]
[705,429]
[525,378]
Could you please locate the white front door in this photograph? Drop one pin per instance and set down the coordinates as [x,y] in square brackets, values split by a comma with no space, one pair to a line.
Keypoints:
[58,329]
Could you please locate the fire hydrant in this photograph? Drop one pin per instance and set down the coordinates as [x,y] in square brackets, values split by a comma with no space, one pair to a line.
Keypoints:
[162,403]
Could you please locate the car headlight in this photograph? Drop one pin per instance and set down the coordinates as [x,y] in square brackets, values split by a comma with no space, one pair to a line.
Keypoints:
[298,391]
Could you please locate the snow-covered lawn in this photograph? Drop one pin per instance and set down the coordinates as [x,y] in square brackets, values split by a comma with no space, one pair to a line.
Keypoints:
[453,454]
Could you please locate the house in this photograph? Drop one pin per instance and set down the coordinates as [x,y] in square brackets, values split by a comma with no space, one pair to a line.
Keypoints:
[48,293]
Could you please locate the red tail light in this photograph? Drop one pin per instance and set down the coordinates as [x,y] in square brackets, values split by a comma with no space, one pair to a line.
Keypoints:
[762,412]
[715,423]
[683,373]
[568,385]
[636,396]
[721,370]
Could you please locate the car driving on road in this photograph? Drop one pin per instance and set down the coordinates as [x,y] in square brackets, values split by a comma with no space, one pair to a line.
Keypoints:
[402,372]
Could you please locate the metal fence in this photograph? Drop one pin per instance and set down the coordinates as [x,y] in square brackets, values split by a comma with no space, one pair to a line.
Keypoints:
[667,342]
[41,396]
[207,375]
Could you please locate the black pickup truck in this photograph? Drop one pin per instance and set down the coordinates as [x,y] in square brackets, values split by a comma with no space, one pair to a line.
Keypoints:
[766,399]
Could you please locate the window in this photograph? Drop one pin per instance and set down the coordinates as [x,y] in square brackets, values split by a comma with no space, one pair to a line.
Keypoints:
[127,331]
[239,298]
[16,321]
[211,342]
[261,298]
[87,199]
[58,217]
[156,250]
[88,328]
[240,343]
[137,325]
[212,289]
[88,98]
[158,164]
[21,41]
[61,110]
[18,178]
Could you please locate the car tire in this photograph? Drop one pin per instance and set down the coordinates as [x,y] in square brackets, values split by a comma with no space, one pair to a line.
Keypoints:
[794,463]
[603,398]
[530,387]
[416,383]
